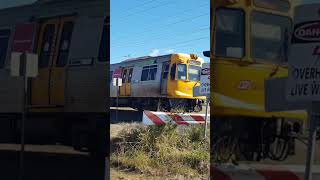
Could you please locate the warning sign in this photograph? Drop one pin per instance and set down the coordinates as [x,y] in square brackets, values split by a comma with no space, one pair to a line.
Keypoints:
[205,80]
[304,58]
[117,73]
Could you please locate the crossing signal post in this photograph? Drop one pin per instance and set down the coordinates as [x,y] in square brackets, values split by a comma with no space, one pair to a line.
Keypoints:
[24,65]
[204,90]
[117,82]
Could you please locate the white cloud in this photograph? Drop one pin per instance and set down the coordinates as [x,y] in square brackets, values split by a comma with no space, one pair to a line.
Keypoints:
[155,52]
[169,51]
[158,52]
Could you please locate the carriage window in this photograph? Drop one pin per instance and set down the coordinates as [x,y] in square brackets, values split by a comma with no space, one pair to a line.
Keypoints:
[104,49]
[46,46]
[4,41]
[230,33]
[182,72]
[124,76]
[149,73]
[166,71]
[173,72]
[130,75]
[64,46]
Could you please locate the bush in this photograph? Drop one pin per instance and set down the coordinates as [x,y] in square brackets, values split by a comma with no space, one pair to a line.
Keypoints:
[168,150]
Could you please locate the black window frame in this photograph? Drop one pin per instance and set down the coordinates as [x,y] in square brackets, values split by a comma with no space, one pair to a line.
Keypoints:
[173,71]
[41,63]
[7,33]
[146,70]
[104,42]
[268,60]
[60,63]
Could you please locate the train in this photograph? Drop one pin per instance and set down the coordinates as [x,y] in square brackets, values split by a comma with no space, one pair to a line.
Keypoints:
[66,103]
[160,83]
[249,44]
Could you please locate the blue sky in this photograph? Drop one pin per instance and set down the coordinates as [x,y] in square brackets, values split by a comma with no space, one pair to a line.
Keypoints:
[156,27]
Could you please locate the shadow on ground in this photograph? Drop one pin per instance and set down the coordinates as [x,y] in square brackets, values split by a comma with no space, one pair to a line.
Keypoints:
[125,116]
[51,166]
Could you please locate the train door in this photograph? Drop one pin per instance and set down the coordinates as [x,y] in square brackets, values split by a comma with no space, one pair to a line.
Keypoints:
[53,49]
[45,49]
[164,78]
[128,83]
[60,60]
[125,89]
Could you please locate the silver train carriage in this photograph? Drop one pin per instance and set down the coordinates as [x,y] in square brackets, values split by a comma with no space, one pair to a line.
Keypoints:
[66,102]
[162,83]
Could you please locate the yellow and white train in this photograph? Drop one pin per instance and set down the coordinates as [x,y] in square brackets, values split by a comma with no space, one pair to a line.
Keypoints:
[162,83]
[249,44]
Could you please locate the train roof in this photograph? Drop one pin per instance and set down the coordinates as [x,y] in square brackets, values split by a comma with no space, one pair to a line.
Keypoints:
[49,8]
[146,58]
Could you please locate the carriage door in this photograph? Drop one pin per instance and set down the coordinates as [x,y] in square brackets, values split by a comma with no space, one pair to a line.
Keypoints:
[53,49]
[128,83]
[164,78]
[45,50]
[60,60]
[125,89]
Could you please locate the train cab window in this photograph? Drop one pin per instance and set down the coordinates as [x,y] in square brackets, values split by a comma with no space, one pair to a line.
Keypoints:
[229,33]
[65,44]
[270,37]
[46,46]
[194,73]
[104,49]
[182,72]
[149,73]
[4,41]
[173,72]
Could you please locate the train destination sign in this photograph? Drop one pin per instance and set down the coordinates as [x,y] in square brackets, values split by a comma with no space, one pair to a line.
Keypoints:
[304,58]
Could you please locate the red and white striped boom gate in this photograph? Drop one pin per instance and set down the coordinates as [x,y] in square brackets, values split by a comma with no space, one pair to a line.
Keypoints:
[162,118]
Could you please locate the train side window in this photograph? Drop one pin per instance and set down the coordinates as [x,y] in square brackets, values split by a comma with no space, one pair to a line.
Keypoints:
[4,41]
[166,71]
[173,72]
[130,75]
[46,46]
[230,33]
[149,73]
[104,48]
[124,76]
[64,45]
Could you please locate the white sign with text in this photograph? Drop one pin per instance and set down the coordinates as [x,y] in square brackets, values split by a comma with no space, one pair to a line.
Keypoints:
[205,80]
[304,58]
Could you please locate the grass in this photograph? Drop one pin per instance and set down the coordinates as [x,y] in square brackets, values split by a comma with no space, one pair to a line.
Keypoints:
[168,151]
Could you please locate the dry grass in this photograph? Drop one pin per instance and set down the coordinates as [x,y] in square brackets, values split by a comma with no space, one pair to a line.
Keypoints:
[167,151]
